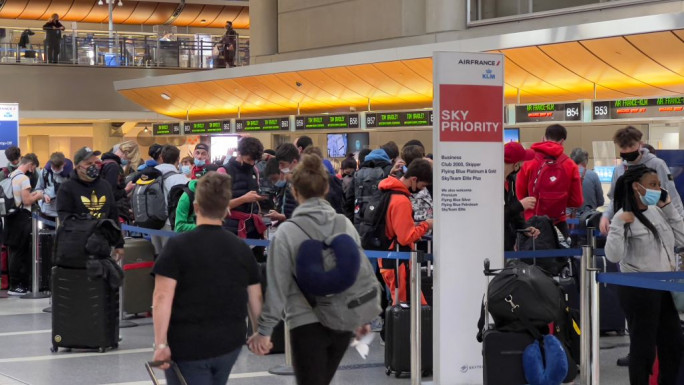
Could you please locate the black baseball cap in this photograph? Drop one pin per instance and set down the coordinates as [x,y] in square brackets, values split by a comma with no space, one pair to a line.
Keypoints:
[84,153]
[202,146]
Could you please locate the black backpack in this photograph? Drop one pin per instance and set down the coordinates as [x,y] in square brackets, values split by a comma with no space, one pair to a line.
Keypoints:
[587,219]
[547,240]
[175,194]
[372,230]
[366,182]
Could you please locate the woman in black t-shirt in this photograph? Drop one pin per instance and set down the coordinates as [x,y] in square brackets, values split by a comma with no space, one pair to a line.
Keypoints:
[201,294]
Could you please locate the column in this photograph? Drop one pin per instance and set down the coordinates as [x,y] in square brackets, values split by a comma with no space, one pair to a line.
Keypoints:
[102,137]
[263,28]
[446,15]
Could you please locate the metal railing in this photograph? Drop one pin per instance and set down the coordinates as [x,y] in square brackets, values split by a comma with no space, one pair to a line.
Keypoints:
[122,51]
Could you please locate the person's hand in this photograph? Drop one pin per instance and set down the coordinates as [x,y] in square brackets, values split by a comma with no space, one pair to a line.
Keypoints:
[118,254]
[252,197]
[46,198]
[430,222]
[627,217]
[662,204]
[276,216]
[398,165]
[163,355]
[259,345]
[604,226]
[362,331]
[532,232]
[529,203]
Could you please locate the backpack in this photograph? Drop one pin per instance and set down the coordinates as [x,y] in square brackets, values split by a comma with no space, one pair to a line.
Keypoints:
[49,175]
[548,239]
[587,219]
[366,182]
[550,187]
[336,277]
[175,194]
[8,205]
[373,227]
[81,236]
[149,202]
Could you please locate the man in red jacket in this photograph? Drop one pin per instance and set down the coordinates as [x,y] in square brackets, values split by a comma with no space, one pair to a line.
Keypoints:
[551,178]
[399,224]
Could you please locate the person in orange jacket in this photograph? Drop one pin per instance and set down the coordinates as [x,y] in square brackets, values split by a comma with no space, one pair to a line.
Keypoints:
[400,226]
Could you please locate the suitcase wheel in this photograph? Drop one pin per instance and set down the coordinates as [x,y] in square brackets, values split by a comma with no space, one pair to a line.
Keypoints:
[101,350]
[54,348]
[397,374]
[426,373]
[388,371]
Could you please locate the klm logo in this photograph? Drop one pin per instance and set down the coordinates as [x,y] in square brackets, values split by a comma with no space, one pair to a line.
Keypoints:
[489,75]
[8,114]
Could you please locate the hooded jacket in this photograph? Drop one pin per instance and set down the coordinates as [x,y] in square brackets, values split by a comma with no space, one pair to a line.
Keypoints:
[76,196]
[376,158]
[531,168]
[282,293]
[399,220]
[664,175]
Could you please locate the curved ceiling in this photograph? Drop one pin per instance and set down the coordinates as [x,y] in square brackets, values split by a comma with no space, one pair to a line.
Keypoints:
[644,65]
[132,12]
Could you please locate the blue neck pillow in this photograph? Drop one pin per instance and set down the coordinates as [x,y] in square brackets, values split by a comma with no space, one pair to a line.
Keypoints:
[556,368]
[312,277]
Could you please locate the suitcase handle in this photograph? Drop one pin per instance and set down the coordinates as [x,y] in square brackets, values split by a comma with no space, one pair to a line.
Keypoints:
[149,365]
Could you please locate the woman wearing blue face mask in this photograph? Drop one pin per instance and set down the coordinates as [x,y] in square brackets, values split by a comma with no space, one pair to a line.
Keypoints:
[115,166]
[642,237]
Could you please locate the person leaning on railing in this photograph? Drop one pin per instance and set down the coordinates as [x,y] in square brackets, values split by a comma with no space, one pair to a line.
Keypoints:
[642,237]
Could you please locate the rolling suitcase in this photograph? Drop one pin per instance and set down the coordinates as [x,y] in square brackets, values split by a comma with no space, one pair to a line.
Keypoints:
[138,285]
[85,312]
[45,249]
[612,318]
[502,352]
[398,331]
[4,268]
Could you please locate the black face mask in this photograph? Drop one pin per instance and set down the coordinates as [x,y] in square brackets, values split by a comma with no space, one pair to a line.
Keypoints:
[630,156]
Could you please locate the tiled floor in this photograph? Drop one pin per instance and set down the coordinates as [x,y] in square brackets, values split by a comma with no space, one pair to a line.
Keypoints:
[25,357]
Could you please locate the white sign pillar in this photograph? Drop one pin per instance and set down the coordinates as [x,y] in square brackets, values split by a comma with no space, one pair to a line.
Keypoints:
[9,128]
[469,203]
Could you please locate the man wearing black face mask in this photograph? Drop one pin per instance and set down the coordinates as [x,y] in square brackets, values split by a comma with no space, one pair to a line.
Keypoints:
[628,141]
[86,193]
[514,155]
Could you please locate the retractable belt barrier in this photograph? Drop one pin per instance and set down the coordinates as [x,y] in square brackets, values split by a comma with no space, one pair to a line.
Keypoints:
[655,281]
[371,254]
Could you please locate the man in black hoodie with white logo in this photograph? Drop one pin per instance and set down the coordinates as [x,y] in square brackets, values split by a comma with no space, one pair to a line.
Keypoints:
[86,193]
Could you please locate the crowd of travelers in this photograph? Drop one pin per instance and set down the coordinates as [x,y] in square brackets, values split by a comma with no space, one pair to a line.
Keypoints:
[376,199]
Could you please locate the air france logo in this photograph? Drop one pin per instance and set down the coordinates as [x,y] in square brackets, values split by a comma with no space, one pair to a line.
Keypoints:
[480,62]
[489,74]
[464,369]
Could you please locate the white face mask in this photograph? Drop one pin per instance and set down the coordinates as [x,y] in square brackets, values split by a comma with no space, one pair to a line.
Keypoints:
[57,171]
[286,171]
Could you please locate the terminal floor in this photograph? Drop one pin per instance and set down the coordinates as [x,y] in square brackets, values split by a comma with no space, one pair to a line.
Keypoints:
[25,357]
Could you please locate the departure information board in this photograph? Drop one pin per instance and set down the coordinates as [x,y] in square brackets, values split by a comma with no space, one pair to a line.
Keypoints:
[166,129]
[399,119]
[326,122]
[210,127]
[550,112]
[265,124]
[639,108]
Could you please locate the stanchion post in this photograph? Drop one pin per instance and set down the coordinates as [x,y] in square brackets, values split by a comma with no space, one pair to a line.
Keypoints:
[416,309]
[585,319]
[35,268]
[286,369]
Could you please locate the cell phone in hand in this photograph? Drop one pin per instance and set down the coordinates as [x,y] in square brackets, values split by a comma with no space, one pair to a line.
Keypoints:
[663,195]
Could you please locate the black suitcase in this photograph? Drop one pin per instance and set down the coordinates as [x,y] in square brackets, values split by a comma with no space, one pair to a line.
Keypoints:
[502,357]
[45,251]
[85,312]
[611,314]
[138,285]
[398,342]
[398,332]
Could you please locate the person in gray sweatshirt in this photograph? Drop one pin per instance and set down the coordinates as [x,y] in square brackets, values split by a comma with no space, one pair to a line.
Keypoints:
[316,349]
[629,143]
[643,235]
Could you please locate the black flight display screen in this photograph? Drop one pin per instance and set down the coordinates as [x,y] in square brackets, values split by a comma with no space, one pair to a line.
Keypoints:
[638,108]
[550,112]
[265,124]
[399,119]
[210,127]
[326,122]
[166,129]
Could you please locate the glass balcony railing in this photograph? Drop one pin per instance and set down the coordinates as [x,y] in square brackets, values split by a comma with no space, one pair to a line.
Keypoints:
[491,10]
[192,52]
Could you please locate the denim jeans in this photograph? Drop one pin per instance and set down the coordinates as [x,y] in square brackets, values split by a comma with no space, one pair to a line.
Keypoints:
[211,371]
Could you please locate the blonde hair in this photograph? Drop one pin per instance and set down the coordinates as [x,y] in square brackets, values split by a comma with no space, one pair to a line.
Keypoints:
[310,178]
[131,150]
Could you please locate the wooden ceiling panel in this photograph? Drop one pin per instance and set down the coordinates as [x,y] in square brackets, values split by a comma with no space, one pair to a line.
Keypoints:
[162,13]
[227,14]
[188,15]
[121,14]
[13,8]
[79,10]
[619,54]
[143,11]
[402,73]
[208,14]
[664,48]
[98,14]
[35,9]
[60,7]
[241,21]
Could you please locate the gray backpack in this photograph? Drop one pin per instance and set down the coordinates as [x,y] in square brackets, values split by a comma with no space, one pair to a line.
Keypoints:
[149,202]
[336,277]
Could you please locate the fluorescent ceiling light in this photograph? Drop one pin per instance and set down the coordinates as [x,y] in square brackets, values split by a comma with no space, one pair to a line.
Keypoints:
[165,96]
